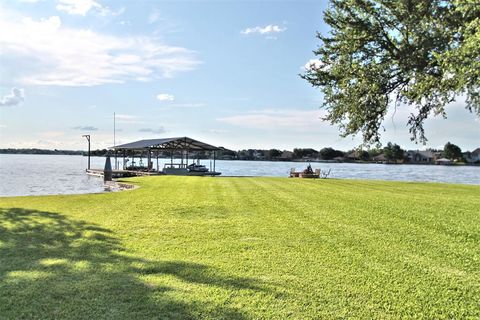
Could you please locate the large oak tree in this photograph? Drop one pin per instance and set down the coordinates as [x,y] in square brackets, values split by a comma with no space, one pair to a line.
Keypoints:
[381,54]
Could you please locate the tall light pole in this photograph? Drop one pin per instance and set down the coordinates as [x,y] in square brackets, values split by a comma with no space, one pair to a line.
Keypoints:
[114,141]
[88,139]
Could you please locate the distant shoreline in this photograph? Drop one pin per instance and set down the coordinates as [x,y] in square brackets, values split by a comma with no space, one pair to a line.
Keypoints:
[41,151]
[101,154]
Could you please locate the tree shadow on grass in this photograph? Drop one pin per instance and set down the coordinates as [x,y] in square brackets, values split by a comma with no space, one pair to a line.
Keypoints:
[54,267]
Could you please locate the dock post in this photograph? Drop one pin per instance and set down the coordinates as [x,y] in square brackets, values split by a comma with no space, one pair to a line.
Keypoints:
[107,171]
[88,139]
[149,158]
[214,154]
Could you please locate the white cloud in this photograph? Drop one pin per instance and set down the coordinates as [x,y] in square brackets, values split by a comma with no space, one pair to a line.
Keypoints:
[153,17]
[86,128]
[78,7]
[215,131]
[165,97]
[126,118]
[459,127]
[82,7]
[115,13]
[264,30]
[48,53]
[188,105]
[313,64]
[274,119]
[51,134]
[150,130]
[15,97]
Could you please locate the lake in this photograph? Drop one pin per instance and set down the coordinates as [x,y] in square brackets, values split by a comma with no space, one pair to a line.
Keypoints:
[58,174]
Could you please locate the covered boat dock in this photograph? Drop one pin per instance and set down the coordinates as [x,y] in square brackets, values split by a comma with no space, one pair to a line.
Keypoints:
[180,150]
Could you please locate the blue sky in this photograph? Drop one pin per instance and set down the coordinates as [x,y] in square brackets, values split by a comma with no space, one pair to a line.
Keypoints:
[223,72]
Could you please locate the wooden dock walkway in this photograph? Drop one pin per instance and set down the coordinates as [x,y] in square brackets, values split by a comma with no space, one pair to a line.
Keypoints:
[123,173]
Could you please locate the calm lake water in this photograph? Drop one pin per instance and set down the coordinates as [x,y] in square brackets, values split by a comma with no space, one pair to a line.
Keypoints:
[54,174]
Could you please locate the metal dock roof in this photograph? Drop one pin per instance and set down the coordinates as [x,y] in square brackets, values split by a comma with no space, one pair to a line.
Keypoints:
[179,143]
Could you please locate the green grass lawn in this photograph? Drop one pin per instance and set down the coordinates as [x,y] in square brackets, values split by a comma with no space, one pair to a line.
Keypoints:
[234,248]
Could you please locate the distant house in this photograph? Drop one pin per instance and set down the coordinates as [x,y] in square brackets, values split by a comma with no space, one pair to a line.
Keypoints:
[472,157]
[417,156]
[443,161]
[380,158]
[258,155]
[308,159]
[476,154]
[286,155]
[354,155]
[227,157]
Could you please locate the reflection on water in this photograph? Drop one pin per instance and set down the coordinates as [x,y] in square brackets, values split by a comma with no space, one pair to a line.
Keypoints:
[56,174]
[45,174]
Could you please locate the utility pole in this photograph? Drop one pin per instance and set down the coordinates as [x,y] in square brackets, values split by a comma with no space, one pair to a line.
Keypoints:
[88,139]
[114,140]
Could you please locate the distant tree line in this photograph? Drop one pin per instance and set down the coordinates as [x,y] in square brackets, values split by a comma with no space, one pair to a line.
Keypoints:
[390,153]
[100,152]
[40,151]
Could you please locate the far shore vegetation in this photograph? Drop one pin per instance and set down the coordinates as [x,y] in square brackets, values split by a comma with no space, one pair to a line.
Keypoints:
[391,153]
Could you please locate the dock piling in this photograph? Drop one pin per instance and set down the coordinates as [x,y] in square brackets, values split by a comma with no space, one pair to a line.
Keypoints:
[107,171]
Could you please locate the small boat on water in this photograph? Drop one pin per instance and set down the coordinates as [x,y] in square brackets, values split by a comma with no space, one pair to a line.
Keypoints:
[194,169]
